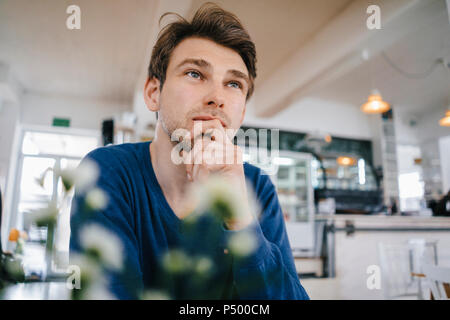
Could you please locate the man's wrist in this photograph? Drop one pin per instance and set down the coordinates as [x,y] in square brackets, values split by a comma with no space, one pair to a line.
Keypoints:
[244,218]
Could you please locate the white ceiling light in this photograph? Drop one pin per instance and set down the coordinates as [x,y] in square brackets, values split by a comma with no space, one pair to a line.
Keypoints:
[445,121]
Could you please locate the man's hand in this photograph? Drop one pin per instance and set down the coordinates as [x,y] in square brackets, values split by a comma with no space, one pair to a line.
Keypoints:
[214,153]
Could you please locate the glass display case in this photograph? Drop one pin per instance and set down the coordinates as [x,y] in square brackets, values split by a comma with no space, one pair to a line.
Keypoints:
[355,174]
[293,187]
[291,174]
[349,181]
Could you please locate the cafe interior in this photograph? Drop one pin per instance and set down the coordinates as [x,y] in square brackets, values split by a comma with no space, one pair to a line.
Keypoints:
[353,97]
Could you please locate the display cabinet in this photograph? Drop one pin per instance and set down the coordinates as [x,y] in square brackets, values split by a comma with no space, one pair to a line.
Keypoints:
[351,183]
[356,175]
[291,174]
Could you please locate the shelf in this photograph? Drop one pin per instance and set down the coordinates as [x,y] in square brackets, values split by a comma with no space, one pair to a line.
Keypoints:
[302,203]
[290,186]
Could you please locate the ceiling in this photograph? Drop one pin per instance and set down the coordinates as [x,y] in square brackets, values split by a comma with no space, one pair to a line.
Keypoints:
[423,87]
[101,60]
[279,28]
[106,57]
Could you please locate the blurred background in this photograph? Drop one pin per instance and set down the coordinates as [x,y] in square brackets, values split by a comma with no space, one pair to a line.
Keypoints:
[363,113]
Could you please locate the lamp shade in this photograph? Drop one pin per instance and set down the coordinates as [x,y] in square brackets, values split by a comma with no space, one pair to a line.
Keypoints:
[445,121]
[346,161]
[375,104]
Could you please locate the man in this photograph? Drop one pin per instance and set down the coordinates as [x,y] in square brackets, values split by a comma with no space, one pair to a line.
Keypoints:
[442,207]
[201,72]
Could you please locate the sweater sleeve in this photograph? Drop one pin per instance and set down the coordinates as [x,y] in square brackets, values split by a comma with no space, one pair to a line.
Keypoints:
[117,217]
[269,271]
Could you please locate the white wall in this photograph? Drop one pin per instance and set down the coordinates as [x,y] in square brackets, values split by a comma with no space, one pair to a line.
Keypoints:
[313,114]
[406,132]
[308,115]
[37,109]
[444,147]
[84,113]
[428,126]
[424,132]
[9,118]
[143,114]
[406,154]
[9,115]
[429,133]
[375,125]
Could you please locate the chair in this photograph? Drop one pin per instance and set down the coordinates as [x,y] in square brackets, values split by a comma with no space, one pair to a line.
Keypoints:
[436,277]
[401,263]
[1,209]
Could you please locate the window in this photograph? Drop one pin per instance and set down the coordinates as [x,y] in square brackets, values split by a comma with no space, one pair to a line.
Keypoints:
[42,151]
[411,191]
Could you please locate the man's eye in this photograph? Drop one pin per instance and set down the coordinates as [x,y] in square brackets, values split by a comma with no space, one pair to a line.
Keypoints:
[235,84]
[194,74]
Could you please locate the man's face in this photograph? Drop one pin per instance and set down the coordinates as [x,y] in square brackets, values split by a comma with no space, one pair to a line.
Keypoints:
[204,81]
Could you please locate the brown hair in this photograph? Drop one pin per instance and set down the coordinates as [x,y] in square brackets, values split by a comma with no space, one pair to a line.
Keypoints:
[211,22]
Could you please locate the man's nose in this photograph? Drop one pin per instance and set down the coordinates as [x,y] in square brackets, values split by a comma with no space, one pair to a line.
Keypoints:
[215,96]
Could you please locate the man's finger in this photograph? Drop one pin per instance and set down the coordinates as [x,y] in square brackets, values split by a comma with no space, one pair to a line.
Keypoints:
[211,127]
[195,156]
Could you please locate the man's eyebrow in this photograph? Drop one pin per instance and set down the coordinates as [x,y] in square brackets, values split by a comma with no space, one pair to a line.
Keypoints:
[239,74]
[198,62]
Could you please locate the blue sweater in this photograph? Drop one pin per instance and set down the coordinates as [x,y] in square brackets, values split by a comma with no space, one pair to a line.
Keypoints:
[138,213]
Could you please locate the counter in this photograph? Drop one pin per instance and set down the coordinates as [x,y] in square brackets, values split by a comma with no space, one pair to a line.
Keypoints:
[351,224]
[373,221]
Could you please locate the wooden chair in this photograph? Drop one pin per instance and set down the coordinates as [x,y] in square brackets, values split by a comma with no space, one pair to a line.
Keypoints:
[437,277]
[401,267]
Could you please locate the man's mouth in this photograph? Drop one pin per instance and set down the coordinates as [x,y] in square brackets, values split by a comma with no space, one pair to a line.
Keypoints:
[208,118]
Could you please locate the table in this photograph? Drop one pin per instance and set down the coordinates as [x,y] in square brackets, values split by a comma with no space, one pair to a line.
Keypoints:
[36,291]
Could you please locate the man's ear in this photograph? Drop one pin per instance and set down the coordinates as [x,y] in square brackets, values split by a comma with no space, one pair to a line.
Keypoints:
[152,93]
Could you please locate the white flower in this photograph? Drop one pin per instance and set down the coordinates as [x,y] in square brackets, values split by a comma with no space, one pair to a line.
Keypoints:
[41,180]
[106,244]
[90,270]
[98,291]
[87,174]
[96,199]
[45,215]
[203,265]
[217,192]
[83,177]
[155,295]
[242,243]
[67,177]
[93,284]
[176,261]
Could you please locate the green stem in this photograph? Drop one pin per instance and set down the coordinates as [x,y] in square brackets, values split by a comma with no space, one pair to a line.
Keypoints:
[49,247]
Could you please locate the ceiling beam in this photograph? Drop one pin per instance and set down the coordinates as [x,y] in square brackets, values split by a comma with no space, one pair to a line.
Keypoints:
[335,50]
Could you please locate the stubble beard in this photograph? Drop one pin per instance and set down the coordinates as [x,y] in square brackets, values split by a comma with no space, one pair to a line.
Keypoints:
[169,126]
